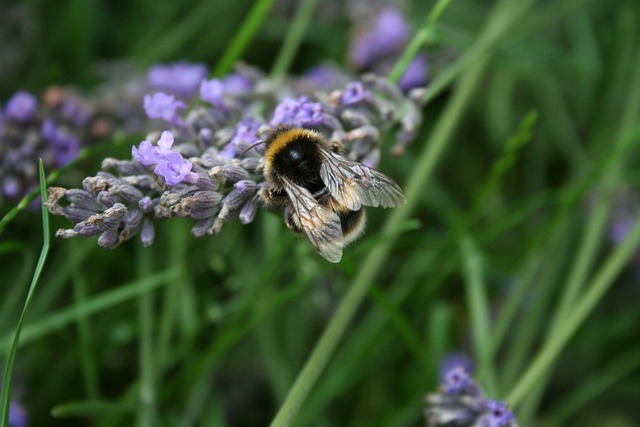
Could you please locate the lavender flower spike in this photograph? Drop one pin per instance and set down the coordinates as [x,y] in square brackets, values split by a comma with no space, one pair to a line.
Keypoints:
[460,401]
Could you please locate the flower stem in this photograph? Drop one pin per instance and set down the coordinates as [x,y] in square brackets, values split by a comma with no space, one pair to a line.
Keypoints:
[292,41]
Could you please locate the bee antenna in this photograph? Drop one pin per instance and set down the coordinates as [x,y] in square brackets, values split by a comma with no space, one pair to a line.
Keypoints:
[250,147]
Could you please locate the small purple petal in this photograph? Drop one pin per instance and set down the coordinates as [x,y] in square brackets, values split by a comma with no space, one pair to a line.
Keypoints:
[237,84]
[146,154]
[212,91]
[163,106]
[174,169]
[21,106]
[415,75]
[499,415]
[165,142]
[354,93]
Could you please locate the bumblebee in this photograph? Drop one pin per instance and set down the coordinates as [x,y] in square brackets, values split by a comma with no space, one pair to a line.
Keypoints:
[322,193]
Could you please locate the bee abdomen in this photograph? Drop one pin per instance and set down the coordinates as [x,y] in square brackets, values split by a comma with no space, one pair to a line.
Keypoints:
[352,223]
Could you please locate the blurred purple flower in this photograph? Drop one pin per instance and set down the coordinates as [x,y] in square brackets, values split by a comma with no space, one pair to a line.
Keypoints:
[236,84]
[416,74]
[179,78]
[17,415]
[246,135]
[353,93]
[388,34]
[163,106]
[298,112]
[66,145]
[76,112]
[212,91]
[498,415]
[21,106]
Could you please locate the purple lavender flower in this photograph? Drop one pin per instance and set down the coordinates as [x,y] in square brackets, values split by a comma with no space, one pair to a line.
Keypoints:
[170,164]
[76,112]
[179,78]
[66,145]
[212,91]
[174,169]
[17,415]
[498,415]
[416,74]
[457,381]
[237,84]
[299,112]
[388,34]
[353,93]
[21,106]
[163,106]
[461,401]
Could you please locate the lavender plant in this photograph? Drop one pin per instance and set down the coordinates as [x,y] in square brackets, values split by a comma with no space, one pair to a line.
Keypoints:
[460,401]
[207,165]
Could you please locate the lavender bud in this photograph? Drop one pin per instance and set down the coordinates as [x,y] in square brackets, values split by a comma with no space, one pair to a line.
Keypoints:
[66,234]
[201,228]
[95,184]
[201,205]
[133,219]
[246,187]
[231,172]
[76,213]
[109,239]
[86,229]
[215,227]
[233,201]
[250,163]
[123,167]
[147,233]
[82,199]
[146,205]
[127,193]
[248,211]
[109,219]
[106,199]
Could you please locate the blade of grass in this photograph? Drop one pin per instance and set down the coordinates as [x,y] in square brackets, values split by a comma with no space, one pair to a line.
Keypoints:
[421,38]
[292,42]
[147,362]
[243,37]
[5,399]
[107,300]
[478,305]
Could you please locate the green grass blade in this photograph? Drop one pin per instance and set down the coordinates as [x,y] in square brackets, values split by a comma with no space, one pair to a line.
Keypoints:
[5,398]
[243,37]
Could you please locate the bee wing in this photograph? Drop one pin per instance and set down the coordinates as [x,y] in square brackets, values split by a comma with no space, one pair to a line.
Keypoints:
[353,184]
[320,225]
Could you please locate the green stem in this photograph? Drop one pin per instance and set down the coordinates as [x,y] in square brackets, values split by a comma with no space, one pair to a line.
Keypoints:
[475,290]
[5,393]
[422,37]
[292,41]
[243,37]
[146,357]
[579,312]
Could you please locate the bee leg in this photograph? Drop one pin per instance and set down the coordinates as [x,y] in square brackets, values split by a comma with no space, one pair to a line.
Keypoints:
[273,198]
[337,146]
[291,219]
